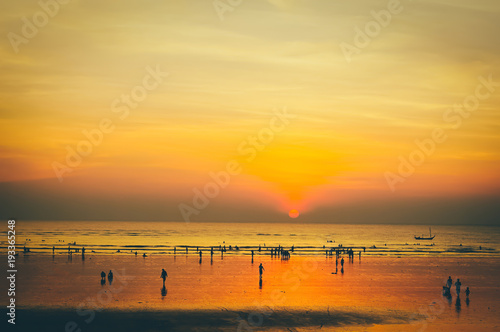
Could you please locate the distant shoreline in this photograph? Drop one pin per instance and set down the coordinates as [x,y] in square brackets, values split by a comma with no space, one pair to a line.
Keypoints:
[112,250]
[269,222]
[241,238]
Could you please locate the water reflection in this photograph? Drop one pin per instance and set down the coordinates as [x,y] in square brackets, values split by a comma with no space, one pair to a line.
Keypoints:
[458,305]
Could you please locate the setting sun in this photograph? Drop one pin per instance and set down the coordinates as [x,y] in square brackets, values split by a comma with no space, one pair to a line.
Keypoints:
[293,213]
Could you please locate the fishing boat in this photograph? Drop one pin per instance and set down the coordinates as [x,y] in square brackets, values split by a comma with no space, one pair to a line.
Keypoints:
[425,237]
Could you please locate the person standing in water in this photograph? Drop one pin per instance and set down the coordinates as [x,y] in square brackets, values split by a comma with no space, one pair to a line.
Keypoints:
[163,276]
[457,285]
[449,282]
[261,270]
[342,262]
[467,292]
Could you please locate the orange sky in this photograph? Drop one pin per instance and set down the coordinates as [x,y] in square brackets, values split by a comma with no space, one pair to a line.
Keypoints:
[177,93]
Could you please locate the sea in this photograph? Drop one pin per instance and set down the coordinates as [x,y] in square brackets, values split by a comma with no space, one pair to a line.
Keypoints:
[127,237]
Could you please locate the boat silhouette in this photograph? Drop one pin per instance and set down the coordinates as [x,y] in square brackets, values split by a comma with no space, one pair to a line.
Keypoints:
[430,237]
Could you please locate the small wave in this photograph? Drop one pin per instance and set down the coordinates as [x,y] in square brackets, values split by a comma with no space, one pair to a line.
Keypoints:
[461,250]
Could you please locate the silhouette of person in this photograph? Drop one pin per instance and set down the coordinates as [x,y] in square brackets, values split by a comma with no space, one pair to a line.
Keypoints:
[110,277]
[53,249]
[449,282]
[342,262]
[163,276]
[144,255]
[467,292]
[446,291]
[261,270]
[103,276]
[457,285]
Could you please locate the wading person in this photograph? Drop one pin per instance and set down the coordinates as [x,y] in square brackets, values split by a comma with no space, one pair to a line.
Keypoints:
[261,270]
[163,276]
[457,285]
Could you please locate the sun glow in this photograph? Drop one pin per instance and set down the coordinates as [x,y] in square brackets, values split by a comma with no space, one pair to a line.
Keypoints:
[293,213]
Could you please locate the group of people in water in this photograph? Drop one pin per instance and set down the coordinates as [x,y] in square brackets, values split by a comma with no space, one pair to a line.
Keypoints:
[164,276]
[103,277]
[458,285]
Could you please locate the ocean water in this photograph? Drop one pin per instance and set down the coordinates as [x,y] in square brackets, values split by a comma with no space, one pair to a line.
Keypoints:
[307,239]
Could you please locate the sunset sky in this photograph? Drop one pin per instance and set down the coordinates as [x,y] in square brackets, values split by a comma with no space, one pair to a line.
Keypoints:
[230,72]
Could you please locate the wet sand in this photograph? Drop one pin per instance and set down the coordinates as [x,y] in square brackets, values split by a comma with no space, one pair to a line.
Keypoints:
[374,293]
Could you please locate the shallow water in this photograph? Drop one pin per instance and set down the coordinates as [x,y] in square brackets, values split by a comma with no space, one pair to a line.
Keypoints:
[162,237]
[398,288]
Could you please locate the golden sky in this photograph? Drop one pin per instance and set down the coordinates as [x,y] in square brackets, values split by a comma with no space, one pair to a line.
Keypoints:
[231,69]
